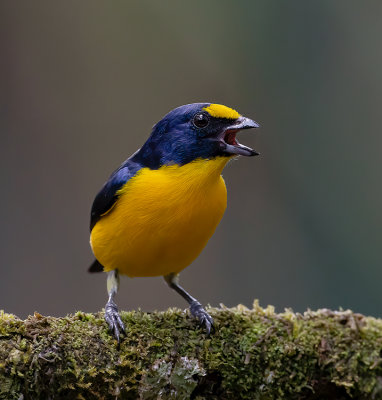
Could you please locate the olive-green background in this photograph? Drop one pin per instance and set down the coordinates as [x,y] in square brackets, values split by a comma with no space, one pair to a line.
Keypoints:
[81,84]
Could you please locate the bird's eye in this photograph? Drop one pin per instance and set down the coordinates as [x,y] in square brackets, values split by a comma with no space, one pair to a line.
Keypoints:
[201,120]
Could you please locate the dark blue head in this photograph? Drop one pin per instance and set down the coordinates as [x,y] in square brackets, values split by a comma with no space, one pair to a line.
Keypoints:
[192,131]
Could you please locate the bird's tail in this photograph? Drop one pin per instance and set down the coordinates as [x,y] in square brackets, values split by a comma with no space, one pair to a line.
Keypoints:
[96,267]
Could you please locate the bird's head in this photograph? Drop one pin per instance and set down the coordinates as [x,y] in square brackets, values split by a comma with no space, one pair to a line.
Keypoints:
[194,131]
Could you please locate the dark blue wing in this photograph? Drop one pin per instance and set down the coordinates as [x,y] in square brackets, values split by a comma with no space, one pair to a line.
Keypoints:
[106,198]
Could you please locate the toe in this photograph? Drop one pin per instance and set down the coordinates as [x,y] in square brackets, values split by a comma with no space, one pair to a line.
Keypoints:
[116,332]
[208,323]
[121,325]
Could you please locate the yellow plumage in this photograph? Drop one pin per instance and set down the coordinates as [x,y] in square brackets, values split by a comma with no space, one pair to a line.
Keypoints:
[162,219]
[220,111]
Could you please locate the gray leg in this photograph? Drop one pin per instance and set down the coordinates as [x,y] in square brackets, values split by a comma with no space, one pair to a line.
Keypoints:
[195,307]
[111,311]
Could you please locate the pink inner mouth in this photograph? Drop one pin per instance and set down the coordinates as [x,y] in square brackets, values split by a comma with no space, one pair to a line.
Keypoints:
[230,137]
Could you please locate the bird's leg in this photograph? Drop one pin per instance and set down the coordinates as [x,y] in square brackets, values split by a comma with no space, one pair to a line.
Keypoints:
[112,316]
[195,307]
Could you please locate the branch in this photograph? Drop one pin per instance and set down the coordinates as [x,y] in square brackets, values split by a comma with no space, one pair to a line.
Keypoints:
[254,354]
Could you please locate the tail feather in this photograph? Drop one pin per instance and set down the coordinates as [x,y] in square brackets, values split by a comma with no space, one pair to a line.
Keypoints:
[96,267]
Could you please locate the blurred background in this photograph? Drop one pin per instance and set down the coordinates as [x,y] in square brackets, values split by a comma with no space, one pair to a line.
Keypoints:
[82,83]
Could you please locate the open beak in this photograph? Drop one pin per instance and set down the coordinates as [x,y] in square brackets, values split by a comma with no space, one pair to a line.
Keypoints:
[228,138]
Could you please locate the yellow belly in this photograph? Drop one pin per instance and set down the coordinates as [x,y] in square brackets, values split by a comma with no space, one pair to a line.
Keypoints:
[162,219]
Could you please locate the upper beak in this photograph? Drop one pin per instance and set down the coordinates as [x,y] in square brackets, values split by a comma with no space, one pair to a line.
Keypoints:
[232,146]
[245,123]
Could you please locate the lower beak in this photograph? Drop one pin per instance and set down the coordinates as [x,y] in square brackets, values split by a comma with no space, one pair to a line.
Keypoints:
[232,146]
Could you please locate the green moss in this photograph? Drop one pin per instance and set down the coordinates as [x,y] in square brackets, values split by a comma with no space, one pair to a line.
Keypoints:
[254,354]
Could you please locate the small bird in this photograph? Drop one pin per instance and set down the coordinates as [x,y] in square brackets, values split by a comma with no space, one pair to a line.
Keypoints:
[157,211]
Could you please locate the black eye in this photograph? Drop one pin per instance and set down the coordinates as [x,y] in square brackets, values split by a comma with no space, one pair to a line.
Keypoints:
[201,120]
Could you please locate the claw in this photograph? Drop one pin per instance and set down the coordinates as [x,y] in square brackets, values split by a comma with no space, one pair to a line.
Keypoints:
[114,320]
[202,315]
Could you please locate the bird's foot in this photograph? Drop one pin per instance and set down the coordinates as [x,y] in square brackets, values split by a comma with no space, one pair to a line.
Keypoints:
[202,315]
[114,320]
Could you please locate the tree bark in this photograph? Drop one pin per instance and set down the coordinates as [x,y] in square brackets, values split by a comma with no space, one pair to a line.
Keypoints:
[253,354]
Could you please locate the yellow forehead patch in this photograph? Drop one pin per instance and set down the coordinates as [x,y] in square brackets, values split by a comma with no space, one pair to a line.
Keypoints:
[220,111]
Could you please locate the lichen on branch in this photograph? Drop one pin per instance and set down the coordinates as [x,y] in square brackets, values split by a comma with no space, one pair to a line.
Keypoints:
[253,354]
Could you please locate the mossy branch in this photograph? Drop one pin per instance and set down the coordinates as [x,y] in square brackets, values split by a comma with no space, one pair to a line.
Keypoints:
[254,354]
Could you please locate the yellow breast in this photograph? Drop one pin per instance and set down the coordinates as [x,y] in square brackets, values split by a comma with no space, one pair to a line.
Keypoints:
[162,219]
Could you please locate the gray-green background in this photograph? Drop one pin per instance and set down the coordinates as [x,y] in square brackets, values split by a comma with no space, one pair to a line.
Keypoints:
[82,82]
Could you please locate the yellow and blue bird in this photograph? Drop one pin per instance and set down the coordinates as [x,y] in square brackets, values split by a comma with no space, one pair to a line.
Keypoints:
[157,211]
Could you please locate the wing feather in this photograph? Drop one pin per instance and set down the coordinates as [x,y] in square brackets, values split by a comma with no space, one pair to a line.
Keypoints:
[107,197]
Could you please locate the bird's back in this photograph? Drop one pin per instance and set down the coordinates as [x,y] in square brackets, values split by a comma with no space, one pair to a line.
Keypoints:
[162,219]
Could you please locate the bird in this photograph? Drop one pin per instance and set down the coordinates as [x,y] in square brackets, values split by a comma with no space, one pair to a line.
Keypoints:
[157,211]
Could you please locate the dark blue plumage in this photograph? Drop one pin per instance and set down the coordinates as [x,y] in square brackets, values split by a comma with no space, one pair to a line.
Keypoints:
[175,140]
